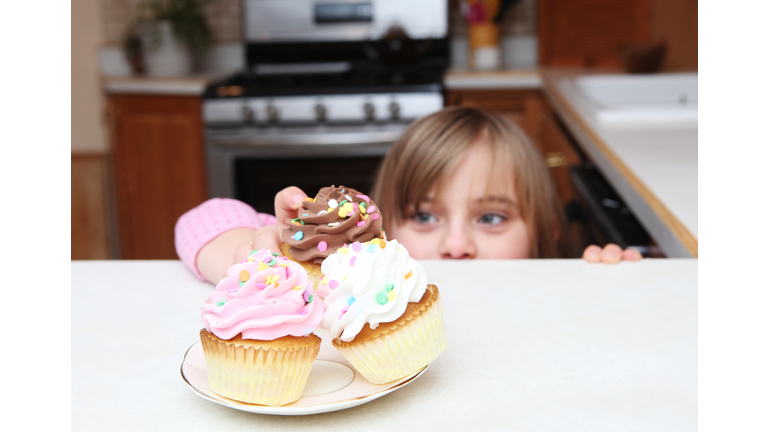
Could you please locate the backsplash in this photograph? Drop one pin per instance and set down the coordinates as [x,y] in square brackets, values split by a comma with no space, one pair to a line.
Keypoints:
[224,19]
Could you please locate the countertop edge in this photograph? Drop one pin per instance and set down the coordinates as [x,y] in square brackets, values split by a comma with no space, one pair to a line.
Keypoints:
[618,172]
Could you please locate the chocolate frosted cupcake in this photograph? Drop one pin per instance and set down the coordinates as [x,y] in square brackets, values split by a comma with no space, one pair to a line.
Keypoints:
[335,217]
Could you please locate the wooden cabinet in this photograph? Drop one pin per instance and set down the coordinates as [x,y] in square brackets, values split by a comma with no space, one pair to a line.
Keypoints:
[159,169]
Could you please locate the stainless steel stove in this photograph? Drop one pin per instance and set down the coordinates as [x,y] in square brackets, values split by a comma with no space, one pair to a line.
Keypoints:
[329,86]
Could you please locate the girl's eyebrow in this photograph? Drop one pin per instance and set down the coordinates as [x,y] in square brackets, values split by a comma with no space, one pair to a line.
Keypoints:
[496,199]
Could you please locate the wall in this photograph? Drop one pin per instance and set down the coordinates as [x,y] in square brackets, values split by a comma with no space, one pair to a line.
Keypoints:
[677,21]
[88,131]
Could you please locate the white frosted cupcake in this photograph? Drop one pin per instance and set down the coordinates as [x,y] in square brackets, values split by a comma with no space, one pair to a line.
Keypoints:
[383,317]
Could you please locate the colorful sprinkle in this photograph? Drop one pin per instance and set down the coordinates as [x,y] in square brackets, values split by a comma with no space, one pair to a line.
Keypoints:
[244,275]
[356,246]
[309,199]
[312,297]
[263,266]
[333,284]
[389,287]
[351,300]
[324,280]
[272,280]
[260,286]
[322,212]
[391,295]
[408,274]
[298,287]
[371,209]
[371,248]
[343,250]
[333,204]
[352,261]
[272,262]
[303,312]
[322,246]
[305,214]
[221,303]
[334,224]
[349,198]
[343,202]
[362,208]
[242,283]
[374,217]
[382,298]
[306,296]
[231,290]
[267,259]
[298,236]
[364,197]
[250,259]
[361,223]
[275,254]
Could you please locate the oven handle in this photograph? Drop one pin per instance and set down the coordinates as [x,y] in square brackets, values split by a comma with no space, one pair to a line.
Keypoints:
[320,138]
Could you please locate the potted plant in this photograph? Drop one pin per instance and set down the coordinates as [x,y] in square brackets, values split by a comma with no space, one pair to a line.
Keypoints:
[166,35]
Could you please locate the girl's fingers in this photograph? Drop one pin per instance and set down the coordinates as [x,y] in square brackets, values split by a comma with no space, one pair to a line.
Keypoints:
[611,254]
[592,254]
[631,255]
[266,237]
[287,201]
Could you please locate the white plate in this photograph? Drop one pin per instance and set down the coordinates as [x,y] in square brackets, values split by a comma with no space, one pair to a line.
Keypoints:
[333,384]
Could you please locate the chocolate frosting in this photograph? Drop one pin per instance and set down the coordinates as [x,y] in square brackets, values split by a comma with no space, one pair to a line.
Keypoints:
[337,216]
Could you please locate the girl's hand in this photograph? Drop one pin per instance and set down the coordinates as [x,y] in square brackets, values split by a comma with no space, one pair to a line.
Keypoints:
[610,254]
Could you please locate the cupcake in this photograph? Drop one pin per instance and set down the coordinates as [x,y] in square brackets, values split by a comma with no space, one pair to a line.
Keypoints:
[336,216]
[382,315]
[257,340]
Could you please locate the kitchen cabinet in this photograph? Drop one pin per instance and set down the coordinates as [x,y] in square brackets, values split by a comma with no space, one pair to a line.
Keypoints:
[159,169]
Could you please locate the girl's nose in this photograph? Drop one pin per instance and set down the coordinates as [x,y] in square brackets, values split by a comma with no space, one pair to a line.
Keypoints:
[458,244]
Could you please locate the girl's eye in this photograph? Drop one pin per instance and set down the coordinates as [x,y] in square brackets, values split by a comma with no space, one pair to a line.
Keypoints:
[491,219]
[424,217]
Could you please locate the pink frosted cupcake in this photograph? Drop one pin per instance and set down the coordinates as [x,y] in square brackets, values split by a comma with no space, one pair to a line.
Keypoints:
[258,341]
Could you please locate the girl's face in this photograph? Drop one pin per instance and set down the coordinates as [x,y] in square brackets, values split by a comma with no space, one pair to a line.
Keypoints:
[460,223]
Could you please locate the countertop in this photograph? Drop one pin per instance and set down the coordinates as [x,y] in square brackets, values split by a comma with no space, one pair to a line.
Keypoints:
[179,86]
[532,345]
[653,168]
[468,79]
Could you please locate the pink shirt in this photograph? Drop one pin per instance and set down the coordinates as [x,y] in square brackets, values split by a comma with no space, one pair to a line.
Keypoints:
[197,227]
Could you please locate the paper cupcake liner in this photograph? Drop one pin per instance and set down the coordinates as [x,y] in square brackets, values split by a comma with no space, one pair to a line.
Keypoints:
[254,372]
[401,352]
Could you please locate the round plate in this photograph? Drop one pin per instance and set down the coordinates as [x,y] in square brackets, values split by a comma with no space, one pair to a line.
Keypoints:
[333,384]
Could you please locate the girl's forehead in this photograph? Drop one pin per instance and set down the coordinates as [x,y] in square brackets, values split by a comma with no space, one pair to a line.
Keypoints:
[479,175]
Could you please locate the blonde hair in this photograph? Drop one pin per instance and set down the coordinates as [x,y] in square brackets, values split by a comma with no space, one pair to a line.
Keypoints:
[432,147]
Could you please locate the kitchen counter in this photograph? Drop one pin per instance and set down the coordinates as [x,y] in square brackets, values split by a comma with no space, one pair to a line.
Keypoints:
[467,79]
[175,86]
[653,168]
[532,345]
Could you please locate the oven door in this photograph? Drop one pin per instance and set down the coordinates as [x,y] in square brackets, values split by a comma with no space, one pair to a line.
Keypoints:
[252,164]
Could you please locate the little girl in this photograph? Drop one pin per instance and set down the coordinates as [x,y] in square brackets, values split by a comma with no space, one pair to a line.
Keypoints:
[458,184]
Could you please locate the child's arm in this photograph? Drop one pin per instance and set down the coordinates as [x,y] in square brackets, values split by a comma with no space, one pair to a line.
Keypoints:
[207,236]
[610,254]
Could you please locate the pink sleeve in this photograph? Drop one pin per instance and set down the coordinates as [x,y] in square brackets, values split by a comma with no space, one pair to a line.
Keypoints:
[197,227]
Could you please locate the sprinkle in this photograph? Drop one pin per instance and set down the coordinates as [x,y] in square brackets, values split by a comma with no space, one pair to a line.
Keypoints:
[284,264]
[298,236]
[371,248]
[322,246]
[333,284]
[382,298]
[363,205]
[408,274]
[242,283]
[362,208]
[391,295]
[231,290]
[244,275]
[329,210]
[306,296]
[324,280]
[312,297]
[263,267]
[296,223]
[271,263]
[260,286]
[267,259]
[343,202]
[375,216]
[250,259]
[342,191]
[351,300]
[343,250]
[309,199]
[272,280]
[375,241]
[305,214]
[356,246]
[322,212]
[298,287]
[334,224]
[333,204]
[221,303]
[361,223]
[343,311]
[352,261]
[275,254]
[364,198]
[371,209]
[303,312]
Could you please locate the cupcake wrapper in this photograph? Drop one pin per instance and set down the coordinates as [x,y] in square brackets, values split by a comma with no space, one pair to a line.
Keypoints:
[258,375]
[401,352]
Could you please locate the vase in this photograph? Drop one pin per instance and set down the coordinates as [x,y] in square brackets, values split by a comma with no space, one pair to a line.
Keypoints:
[171,57]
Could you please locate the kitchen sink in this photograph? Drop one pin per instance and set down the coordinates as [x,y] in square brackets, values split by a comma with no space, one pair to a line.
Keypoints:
[638,99]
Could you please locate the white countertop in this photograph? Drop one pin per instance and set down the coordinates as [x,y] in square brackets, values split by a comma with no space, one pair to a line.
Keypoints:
[532,345]
[467,79]
[654,169]
[178,86]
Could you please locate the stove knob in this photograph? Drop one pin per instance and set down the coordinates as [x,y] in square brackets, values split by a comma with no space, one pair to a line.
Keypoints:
[272,113]
[321,112]
[394,110]
[248,114]
[370,111]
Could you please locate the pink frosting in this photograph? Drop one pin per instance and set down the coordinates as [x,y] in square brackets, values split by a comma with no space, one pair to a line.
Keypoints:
[276,300]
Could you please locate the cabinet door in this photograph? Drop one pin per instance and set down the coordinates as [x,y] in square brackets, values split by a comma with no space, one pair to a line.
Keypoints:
[159,169]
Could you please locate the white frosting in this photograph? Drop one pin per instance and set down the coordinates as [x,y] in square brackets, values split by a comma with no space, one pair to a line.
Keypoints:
[363,275]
